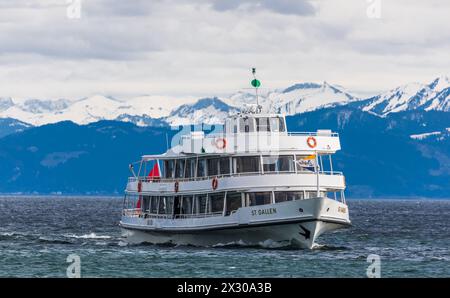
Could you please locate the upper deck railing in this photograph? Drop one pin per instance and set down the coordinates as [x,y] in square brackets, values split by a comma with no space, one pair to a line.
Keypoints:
[169,180]
[263,133]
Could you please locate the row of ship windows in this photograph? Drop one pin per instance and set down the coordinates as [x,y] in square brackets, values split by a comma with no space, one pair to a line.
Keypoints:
[258,124]
[202,167]
[213,202]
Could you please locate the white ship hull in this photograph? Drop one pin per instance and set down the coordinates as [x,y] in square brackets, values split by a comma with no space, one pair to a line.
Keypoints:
[294,223]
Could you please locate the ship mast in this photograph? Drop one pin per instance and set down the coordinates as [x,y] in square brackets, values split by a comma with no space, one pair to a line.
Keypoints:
[256,84]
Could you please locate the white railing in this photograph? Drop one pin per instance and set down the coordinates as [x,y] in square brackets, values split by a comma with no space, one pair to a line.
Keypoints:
[255,133]
[313,134]
[142,214]
[169,180]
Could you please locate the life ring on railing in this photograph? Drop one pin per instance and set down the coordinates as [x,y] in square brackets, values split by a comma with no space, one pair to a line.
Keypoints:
[176,186]
[220,143]
[215,183]
[139,186]
[311,141]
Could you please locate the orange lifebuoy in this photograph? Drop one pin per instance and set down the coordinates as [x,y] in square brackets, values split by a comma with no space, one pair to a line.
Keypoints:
[221,143]
[311,141]
[176,186]
[215,183]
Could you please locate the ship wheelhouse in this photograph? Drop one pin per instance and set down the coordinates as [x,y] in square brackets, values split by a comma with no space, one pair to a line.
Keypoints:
[252,161]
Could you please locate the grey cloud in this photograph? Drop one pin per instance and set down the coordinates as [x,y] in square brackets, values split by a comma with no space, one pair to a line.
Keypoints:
[295,7]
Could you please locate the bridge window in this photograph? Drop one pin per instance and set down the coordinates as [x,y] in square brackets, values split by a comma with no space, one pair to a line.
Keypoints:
[262,124]
[247,164]
[259,198]
[234,202]
[246,124]
[277,124]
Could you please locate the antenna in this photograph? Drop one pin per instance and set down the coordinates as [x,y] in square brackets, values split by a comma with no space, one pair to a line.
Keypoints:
[256,84]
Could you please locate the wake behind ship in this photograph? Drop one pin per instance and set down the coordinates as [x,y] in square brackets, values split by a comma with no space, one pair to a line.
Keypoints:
[253,183]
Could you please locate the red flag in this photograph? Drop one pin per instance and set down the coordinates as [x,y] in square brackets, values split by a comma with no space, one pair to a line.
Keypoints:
[154,173]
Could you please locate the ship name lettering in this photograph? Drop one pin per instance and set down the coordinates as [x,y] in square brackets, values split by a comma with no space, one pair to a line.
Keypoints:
[266,211]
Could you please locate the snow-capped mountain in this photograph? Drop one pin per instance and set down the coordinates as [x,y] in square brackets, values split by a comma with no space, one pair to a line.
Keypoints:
[140,110]
[295,99]
[206,110]
[433,96]
[159,110]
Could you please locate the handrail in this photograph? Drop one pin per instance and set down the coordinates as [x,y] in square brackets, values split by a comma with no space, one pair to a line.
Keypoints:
[139,213]
[168,180]
[293,133]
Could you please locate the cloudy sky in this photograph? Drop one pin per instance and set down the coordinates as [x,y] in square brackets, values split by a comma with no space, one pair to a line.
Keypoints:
[207,47]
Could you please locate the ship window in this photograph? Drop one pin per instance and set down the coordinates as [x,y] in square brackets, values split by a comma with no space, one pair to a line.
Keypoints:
[247,164]
[186,206]
[246,125]
[313,194]
[286,163]
[200,204]
[165,205]
[216,202]
[234,202]
[190,168]
[277,124]
[201,168]
[168,166]
[154,205]
[269,163]
[283,196]
[213,166]
[262,124]
[224,165]
[146,203]
[179,168]
[259,198]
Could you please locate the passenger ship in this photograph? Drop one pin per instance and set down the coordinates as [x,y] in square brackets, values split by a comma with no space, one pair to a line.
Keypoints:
[253,183]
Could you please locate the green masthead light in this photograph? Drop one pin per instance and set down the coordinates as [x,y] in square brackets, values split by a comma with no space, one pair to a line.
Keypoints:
[256,83]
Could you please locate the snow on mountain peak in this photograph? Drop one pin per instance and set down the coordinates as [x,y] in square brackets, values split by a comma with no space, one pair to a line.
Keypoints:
[297,98]
[434,96]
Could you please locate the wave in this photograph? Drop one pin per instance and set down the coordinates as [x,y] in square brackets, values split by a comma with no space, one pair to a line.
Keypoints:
[88,236]
[267,244]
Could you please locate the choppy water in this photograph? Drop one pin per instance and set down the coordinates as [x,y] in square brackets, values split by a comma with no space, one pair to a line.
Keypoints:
[37,234]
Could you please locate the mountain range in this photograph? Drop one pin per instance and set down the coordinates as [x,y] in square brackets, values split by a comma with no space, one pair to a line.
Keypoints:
[157,110]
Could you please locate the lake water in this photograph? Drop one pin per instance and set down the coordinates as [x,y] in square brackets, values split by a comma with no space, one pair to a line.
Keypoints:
[412,238]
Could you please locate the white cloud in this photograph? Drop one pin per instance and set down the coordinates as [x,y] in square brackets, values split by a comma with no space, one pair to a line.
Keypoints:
[200,47]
